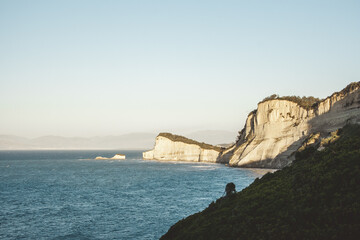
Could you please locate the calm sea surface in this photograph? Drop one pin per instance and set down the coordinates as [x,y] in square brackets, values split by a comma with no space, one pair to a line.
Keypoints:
[65,195]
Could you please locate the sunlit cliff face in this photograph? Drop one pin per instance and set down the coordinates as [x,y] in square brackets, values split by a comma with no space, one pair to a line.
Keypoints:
[168,150]
[278,128]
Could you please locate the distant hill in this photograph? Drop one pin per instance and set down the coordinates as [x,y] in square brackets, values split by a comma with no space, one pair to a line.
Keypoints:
[317,197]
[14,142]
[126,141]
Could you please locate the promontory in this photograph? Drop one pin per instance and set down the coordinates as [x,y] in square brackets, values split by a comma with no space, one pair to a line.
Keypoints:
[273,132]
[170,147]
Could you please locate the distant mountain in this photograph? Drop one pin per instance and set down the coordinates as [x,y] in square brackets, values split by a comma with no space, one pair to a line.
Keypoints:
[6,141]
[214,137]
[126,141]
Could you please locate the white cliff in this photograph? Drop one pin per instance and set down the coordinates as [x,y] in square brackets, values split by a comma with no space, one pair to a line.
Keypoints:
[169,147]
[278,128]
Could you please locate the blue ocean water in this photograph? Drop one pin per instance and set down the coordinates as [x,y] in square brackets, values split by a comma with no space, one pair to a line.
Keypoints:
[66,195]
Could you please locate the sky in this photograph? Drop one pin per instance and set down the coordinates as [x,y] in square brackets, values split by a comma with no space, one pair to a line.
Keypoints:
[95,68]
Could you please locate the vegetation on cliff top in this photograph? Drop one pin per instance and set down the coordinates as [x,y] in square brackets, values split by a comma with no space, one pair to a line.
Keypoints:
[305,102]
[178,138]
[311,102]
[349,88]
[317,197]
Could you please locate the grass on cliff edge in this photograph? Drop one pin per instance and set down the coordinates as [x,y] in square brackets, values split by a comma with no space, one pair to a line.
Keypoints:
[317,197]
[178,138]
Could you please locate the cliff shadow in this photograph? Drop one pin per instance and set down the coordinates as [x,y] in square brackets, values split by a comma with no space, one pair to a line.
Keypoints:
[342,112]
[281,160]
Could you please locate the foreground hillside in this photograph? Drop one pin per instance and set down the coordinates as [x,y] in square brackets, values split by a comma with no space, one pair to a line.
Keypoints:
[317,197]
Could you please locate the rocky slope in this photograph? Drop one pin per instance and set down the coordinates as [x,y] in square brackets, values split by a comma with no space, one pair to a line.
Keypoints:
[169,147]
[278,127]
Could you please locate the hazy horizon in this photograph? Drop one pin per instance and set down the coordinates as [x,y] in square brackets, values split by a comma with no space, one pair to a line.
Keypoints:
[123,134]
[99,68]
[124,142]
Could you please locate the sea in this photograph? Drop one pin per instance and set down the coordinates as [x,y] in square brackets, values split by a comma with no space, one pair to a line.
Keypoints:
[69,195]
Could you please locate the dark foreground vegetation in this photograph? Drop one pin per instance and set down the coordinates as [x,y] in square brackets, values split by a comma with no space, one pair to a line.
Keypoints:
[317,197]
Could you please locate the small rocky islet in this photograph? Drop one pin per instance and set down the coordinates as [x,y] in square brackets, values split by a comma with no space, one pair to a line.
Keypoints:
[115,157]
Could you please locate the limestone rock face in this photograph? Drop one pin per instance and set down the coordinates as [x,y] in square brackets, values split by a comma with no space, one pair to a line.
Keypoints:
[169,149]
[278,128]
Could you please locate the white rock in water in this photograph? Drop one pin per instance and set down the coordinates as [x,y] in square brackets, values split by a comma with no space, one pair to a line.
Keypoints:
[100,158]
[119,157]
[115,157]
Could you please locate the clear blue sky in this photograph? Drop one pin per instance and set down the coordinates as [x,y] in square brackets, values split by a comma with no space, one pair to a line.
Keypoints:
[85,68]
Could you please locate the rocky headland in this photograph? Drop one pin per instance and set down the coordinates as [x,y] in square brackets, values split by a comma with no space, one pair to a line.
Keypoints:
[170,147]
[273,133]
